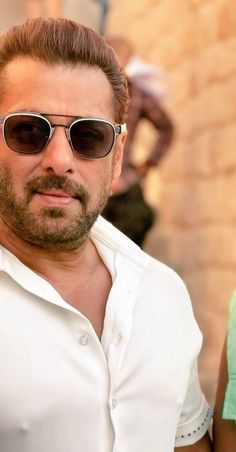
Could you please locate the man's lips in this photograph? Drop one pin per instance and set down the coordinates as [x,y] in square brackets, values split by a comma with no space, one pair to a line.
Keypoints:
[58,197]
[56,190]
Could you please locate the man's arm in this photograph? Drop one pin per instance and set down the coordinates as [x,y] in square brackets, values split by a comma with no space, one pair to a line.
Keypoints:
[204,445]
[155,114]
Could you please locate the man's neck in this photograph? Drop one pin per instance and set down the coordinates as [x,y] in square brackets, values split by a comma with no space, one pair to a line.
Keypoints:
[80,277]
[50,263]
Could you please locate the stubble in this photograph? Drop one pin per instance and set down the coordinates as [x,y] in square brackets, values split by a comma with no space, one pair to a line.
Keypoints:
[50,228]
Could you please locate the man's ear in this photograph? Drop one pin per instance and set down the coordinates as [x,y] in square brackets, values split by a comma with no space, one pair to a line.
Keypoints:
[118,156]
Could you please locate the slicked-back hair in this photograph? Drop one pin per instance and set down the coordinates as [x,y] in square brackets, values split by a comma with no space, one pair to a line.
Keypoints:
[60,41]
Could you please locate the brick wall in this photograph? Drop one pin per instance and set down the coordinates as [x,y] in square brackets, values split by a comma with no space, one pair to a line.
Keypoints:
[195,42]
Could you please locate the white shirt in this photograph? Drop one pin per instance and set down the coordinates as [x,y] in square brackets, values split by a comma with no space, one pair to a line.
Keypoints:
[62,390]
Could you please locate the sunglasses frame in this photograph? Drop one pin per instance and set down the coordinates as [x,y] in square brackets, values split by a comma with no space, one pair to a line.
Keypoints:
[117,130]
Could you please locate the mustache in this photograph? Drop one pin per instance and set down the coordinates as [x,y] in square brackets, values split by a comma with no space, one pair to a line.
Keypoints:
[53,181]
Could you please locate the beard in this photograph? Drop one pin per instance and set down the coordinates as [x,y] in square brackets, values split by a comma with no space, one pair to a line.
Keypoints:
[51,228]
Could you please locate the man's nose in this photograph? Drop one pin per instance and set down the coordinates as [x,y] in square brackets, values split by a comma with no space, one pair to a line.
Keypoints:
[58,157]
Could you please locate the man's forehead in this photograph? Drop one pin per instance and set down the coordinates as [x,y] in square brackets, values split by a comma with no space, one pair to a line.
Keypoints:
[84,85]
[26,65]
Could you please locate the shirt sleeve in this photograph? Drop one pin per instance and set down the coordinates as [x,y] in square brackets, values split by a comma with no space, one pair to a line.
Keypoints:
[195,415]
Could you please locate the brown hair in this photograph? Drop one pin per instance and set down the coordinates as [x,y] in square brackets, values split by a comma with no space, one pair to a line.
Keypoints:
[62,41]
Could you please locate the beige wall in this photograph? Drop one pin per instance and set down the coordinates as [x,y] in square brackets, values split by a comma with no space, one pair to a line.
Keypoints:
[195,41]
[16,11]
[12,12]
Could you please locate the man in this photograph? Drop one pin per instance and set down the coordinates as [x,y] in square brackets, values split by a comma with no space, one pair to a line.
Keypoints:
[98,342]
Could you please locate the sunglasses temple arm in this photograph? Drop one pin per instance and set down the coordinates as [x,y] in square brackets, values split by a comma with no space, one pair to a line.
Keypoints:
[120,128]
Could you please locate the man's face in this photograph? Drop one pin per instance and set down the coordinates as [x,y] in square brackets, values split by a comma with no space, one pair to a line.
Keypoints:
[51,199]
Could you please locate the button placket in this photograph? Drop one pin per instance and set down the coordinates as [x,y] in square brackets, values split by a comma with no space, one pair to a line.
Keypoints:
[118,346]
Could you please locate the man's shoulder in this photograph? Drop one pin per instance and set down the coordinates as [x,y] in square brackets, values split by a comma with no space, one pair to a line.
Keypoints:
[157,285]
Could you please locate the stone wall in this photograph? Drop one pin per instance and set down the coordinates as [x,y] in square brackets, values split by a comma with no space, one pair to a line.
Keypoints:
[195,42]
[14,12]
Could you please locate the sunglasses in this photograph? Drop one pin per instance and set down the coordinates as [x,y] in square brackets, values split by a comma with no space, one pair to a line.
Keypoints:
[30,133]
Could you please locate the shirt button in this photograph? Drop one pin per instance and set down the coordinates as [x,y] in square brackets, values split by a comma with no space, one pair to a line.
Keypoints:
[114,403]
[83,340]
[119,339]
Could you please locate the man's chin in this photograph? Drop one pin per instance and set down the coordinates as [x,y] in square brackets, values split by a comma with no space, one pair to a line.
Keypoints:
[54,212]
[56,231]
[63,238]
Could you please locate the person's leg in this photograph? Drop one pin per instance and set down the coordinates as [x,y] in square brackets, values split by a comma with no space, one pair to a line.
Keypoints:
[130,213]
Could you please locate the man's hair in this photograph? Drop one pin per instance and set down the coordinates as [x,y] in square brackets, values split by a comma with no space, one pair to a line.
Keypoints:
[58,41]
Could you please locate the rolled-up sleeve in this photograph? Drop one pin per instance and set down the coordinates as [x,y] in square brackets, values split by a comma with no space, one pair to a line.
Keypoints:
[195,414]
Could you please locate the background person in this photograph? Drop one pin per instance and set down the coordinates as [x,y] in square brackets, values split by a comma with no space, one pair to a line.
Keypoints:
[225,405]
[98,341]
[128,209]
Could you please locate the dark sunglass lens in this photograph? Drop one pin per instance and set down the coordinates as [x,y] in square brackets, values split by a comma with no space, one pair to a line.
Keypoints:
[92,139]
[26,134]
